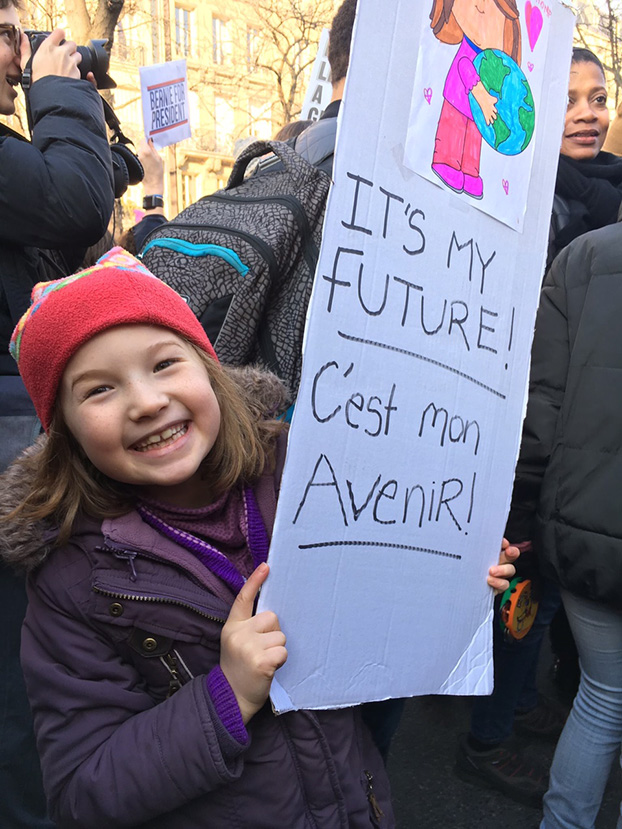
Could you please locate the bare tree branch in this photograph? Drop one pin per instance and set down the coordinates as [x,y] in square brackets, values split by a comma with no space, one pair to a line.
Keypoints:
[291,31]
[105,19]
[598,29]
[78,14]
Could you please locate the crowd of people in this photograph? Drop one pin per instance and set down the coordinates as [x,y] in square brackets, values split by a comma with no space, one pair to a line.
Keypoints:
[141,483]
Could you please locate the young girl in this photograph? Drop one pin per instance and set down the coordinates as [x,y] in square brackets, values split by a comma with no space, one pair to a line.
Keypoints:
[476,25]
[147,515]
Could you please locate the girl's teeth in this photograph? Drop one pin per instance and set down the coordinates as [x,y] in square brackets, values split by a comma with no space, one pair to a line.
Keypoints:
[167,434]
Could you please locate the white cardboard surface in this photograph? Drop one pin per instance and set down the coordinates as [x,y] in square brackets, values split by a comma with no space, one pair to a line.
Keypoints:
[164,92]
[406,430]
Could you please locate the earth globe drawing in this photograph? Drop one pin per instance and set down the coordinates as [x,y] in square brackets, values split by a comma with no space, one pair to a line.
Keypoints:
[512,130]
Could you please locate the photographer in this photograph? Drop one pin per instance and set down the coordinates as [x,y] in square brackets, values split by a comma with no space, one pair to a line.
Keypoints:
[56,197]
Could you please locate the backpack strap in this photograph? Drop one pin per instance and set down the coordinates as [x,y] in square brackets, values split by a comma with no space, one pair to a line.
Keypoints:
[298,167]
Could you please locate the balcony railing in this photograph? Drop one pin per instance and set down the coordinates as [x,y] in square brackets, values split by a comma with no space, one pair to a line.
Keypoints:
[127,53]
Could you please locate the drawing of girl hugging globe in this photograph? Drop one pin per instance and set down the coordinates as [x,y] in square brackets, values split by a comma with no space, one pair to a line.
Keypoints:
[486,94]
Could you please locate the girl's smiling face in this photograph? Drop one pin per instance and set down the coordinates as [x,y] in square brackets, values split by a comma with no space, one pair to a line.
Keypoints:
[481,21]
[587,116]
[138,400]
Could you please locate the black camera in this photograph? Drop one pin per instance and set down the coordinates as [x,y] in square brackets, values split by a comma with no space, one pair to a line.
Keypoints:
[95,58]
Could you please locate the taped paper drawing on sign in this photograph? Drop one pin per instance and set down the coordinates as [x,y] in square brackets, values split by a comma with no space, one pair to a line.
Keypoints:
[473,96]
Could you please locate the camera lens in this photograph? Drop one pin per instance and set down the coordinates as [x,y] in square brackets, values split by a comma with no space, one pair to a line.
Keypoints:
[95,59]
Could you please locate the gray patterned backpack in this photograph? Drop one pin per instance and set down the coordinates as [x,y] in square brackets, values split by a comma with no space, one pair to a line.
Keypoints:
[244,258]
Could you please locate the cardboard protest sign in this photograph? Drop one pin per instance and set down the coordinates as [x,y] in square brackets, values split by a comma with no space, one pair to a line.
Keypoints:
[164,91]
[406,429]
[320,88]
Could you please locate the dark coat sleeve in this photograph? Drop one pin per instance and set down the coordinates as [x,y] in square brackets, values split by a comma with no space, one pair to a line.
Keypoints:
[145,226]
[110,756]
[58,190]
[550,358]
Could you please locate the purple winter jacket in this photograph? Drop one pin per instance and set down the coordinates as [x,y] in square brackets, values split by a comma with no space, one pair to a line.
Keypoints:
[118,617]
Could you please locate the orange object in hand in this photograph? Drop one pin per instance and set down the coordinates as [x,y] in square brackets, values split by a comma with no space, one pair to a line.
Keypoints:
[518,608]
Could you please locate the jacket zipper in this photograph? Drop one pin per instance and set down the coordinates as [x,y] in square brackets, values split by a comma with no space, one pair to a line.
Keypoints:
[371,797]
[197,250]
[129,556]
[170,663]
[264,250]
[130,597]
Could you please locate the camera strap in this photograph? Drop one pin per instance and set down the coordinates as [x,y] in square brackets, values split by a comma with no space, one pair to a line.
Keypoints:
[115,125]
[26,82]
[129,169]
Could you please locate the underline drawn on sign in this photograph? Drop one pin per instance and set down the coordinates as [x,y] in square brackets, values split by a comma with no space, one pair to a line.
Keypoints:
[405,351]
[427,550]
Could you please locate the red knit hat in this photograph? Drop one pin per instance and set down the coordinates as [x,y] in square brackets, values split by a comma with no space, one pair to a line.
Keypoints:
[68,312]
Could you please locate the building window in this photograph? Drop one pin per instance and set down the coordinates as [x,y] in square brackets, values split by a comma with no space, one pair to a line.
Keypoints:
[120,43]
[224,124]
[127,105]
[188,189]
[260,117]
[155,32]
[221,41]
[183,19]
[127,41]
[252,48]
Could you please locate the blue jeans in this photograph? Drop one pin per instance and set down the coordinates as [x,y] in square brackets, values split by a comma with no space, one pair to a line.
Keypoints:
[515,666]
[592,737]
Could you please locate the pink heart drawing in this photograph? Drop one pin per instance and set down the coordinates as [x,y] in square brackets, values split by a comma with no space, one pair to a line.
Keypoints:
[530,67]
[506,185]
[533,19]
[427,93]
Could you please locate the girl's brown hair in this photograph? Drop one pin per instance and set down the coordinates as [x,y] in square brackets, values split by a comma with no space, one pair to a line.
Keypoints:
[65,483]
[446,28]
